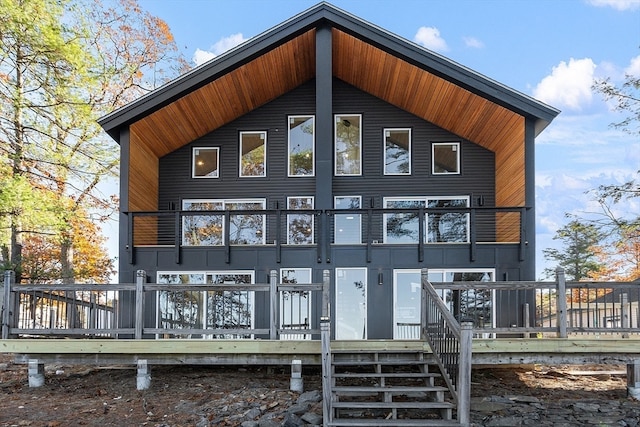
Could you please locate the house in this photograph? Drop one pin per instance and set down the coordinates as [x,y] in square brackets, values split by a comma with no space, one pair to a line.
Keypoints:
[328,143]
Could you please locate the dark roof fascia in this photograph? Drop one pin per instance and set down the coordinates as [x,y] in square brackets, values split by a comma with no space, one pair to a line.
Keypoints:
[313,17]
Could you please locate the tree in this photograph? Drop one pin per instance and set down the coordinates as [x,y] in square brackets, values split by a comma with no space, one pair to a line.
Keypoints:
[622,230]
[578,255]
[63,64]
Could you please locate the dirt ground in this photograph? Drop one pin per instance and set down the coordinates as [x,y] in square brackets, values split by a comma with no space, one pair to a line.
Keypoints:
[201,395]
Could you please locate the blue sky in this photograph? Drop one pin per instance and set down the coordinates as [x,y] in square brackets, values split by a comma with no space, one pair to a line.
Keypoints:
[549,49]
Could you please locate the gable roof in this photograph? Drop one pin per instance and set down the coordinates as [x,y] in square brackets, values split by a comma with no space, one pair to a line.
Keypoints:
[284,57]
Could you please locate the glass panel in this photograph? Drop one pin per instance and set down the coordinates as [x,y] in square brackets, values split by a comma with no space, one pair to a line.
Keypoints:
[402,227]
[246,229]
[347,226]
[397,151]
[347,145]
[447,227]
[446,158]
[253,148]
[476,304]
[300,227]
[205,162]
[180,309]
[202,230]
[351,303]
[301,145]
[295,306]
[230,309]
[407,296]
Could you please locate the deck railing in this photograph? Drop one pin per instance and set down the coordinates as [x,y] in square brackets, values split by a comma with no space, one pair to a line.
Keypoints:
[201,310]
[450,342]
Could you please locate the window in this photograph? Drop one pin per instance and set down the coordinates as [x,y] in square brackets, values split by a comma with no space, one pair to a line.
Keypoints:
[446,227]
[253,157]
[205,161]
[300,226]
[397,151]
[402,227]
[295,306]
[347,227]
[301,145]
[445,158]
[208,229]
[206,309]
[348,144]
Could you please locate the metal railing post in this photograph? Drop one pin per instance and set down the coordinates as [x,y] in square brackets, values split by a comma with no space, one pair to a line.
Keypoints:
[561,296]
[274,315]
[624,314]
[141,277]
[464,372]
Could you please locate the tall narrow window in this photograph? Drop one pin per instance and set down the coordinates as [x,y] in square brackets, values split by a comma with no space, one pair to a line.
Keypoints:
[300,226]
[348,145]
[351,303]
[301,145]
[397,151]
[347,226]
[295,306]
[253,154]
[205,162]
[445,158]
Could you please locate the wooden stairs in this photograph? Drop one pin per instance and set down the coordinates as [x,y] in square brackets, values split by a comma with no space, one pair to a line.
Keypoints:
[392,388]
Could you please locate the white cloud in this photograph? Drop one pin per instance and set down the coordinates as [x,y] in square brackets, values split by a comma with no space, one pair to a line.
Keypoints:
[634,67]
[568,85]
[616,4]
[429,37]
[473,42]
[221,46]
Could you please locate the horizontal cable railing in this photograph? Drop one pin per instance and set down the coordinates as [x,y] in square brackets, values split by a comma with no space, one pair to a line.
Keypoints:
[339,226]
[158,310]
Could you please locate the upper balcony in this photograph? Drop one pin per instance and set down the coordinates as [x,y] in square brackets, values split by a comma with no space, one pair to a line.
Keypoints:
[247,224]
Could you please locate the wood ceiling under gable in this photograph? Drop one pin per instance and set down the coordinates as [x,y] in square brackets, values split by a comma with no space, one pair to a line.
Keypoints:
[356,62]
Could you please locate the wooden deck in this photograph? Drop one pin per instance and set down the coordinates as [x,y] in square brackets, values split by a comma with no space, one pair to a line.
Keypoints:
[273,352]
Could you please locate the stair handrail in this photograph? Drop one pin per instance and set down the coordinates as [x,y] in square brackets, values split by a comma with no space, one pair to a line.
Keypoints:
[450,342]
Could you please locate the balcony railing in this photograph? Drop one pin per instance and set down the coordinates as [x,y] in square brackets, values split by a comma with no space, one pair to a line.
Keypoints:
[322,228]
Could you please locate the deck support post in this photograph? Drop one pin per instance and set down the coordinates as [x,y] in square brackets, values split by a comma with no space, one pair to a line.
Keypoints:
[5,304]
[325,331]
[36,373]
[141,277]
[633,379]
[464,373]
[296,383]
[143,380]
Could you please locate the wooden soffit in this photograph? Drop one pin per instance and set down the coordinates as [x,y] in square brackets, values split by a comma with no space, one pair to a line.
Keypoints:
[228,97]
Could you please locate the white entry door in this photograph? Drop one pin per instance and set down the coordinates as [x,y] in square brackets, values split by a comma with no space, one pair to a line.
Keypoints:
[406,304]
[351,303]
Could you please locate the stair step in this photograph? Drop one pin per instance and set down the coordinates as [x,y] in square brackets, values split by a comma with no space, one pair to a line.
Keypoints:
[387,389]
[392,405]
[359,422]
[386,375]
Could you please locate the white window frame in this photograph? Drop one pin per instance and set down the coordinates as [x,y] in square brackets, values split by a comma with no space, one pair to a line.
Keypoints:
[396,272]
[337,119]
[290,216]
[313,146]
[195,152]
[433,157]
[384,151]
[263,135]
[356,216]
[224,203]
